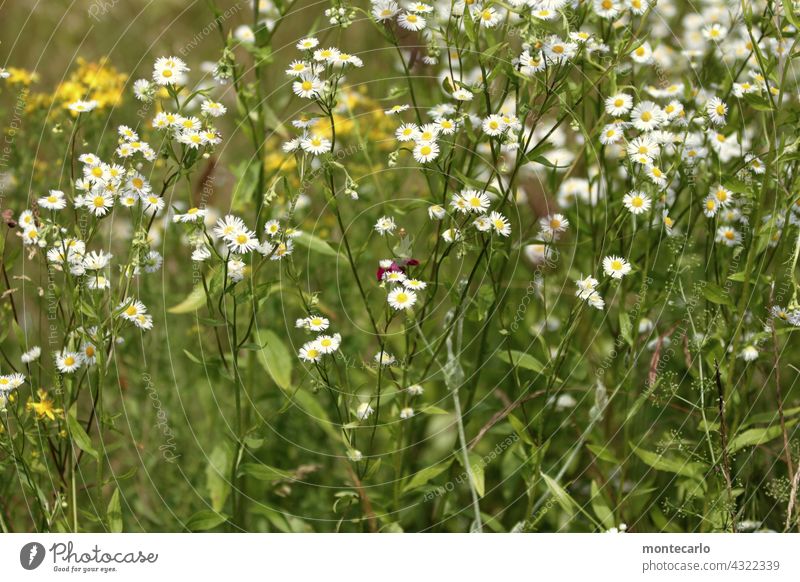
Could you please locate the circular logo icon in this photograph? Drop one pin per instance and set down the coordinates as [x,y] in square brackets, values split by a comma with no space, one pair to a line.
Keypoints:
[31,555]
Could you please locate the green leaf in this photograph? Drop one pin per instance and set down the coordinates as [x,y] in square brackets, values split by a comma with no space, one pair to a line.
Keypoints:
[603,453]
[716,294]
[114,513]
[315,244]
[600,508]
[217,482]
[79,435]
[425,475]
[205,520]
[275,358]
[433,410]
[560,494]
[756,436]
[625,327]
[477,473]
[263,472]
[521,360]
[677,466]
[193,301]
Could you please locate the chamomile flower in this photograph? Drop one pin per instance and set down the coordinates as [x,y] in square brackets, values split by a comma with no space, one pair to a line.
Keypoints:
[242,241]
[396,109]
[310,352]
[55,200]
[406,413]
[616,267]
[308,87]
[213,108]
[611,134]
[81,106]
[406,132]
[194,214]
[647,116]
[710,206]
[586,286]
[169,71]
[307,44]
[475,201]
[493,125]
[100,202]
[500,224]
[636,202]
[619,104]
[425,152]
[553,225]
[385,225]
[328,344]
[722,195]
[68,362]
[717,111]
[364,411]
[436,212]
[315,144]
[400,298]
[414,284]
[411,21]
[728,236]
[31,355]
[643,53]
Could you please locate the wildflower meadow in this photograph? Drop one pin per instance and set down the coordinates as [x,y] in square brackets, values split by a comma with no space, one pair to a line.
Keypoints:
[396,266]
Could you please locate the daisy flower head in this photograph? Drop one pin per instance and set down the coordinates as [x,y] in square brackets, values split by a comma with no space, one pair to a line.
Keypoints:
[213,108]
[169,71]
[611,133]
[400,298]
[315,144]
[411,21]
[642,54]
[81,106]
[242,241]
[500,224]
[414,284]
[308,87]
[710,206]
[636,202]
[586,286]
[68,362]
[55,200]
[553,225]
[493,125]
[364,411]
[31,355]
[717,111]
[406,132]
[11,382]
[487,17]
[475,201]
[307,44]
[607,9]
[100,202]
[616,267]
[310,352]
[722,195]
[728,236]
[462,94]
[647,116]
[384,10]
[328,344]
[425,152]
[385,225]
[619,104]
[396,109]
[384,358]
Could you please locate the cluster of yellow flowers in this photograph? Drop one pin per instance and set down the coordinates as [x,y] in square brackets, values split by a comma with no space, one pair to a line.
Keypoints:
[91,81]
